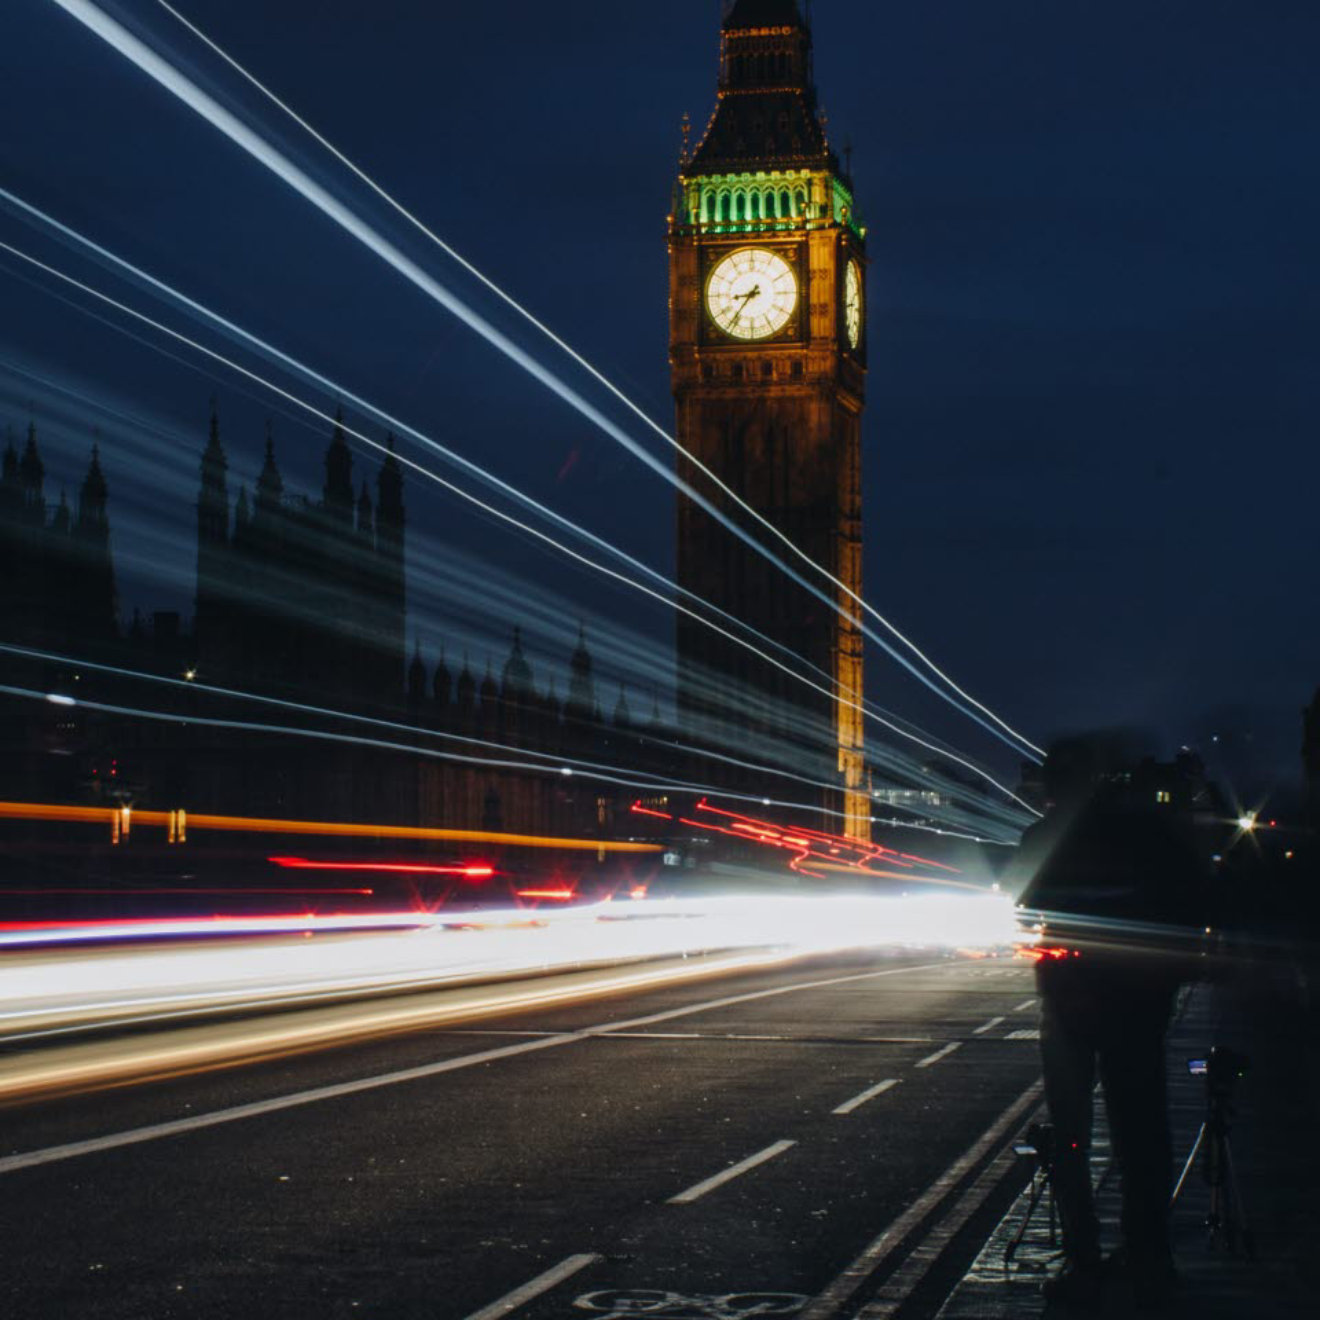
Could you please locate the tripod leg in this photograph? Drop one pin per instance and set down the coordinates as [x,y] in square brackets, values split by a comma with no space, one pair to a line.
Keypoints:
[1187,1168]
[1236,1208]
[1218,1220]
[1038,1185]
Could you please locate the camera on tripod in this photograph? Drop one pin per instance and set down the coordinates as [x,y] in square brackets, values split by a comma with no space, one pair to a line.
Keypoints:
[1226,1218]
[1038,1144]
[1221,1068]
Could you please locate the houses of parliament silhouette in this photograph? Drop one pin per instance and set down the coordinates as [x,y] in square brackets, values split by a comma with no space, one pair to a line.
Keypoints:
[301,604]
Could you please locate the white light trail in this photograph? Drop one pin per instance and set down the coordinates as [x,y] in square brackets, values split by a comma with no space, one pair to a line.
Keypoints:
[230,963]
[544,762]
[624,780]
[868,710]
[485,507]
[587,366]
[170,78]
[620,777]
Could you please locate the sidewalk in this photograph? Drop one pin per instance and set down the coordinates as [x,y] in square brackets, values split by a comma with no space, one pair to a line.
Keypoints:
[1275,1142]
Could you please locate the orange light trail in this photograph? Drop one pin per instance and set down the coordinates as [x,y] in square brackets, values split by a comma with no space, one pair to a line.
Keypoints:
[40,811]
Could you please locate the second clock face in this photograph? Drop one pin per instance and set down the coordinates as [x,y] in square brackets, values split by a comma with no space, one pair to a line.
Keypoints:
[751,293]
[852,304]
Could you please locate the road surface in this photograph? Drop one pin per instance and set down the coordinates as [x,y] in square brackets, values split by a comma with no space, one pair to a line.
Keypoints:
[758,1143]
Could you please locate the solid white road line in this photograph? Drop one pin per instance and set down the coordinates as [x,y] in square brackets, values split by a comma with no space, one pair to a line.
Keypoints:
[939,1054]
[900,1285]
[194,1122]
[535,1287]
[987,1026]
[837,1294]
[870,1094]
[732,1172]
[132,1137]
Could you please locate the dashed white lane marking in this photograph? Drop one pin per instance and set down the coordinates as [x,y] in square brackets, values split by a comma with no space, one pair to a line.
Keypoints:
[939,1054]
[869,1094]
[732,1172]
[1030,1033]
[255,1109]
[511,1301]
[1024,1005]
[987,1026]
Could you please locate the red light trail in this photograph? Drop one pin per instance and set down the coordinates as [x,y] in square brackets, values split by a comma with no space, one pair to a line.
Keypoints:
[405,868]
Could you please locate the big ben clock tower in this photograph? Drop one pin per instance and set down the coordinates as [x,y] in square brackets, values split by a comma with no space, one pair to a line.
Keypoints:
[768,359]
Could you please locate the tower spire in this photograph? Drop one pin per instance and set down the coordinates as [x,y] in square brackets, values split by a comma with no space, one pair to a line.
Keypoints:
[766,117]
[338,492]
[213,547]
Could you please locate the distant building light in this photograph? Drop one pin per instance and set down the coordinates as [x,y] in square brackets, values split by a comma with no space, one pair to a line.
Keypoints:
[564,770]
[908,797]
[190,674]
[59,699]
[1247,823]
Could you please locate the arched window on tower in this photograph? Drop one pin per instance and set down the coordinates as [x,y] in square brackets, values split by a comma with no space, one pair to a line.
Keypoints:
[726,212]
[708,205]
[799,203]
[754,206]
[739,206]
[785,205]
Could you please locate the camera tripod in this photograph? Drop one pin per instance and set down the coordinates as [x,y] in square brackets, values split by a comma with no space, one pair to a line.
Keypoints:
[1038,1146]
[1226,1219]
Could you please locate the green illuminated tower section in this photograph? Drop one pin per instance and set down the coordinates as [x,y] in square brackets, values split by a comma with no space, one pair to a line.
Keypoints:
[767,355]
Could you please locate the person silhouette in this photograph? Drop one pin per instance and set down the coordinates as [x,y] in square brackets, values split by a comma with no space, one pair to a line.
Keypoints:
[1113,886]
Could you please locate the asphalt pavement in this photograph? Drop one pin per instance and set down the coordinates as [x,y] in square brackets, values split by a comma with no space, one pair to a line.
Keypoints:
[774,1142]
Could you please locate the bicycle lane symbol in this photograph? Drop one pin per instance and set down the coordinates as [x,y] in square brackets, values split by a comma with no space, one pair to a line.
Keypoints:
[629,1303]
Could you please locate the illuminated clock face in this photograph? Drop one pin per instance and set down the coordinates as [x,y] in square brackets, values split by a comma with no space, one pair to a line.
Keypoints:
[852,304]
[751,293]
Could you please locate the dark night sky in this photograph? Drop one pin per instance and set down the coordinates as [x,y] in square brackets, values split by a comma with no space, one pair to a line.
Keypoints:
[1090,439]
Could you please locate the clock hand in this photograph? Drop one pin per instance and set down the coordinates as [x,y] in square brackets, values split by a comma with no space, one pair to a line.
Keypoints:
[744,298]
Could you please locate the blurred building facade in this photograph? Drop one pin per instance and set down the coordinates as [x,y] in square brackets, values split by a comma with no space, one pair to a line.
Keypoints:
[288,694]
